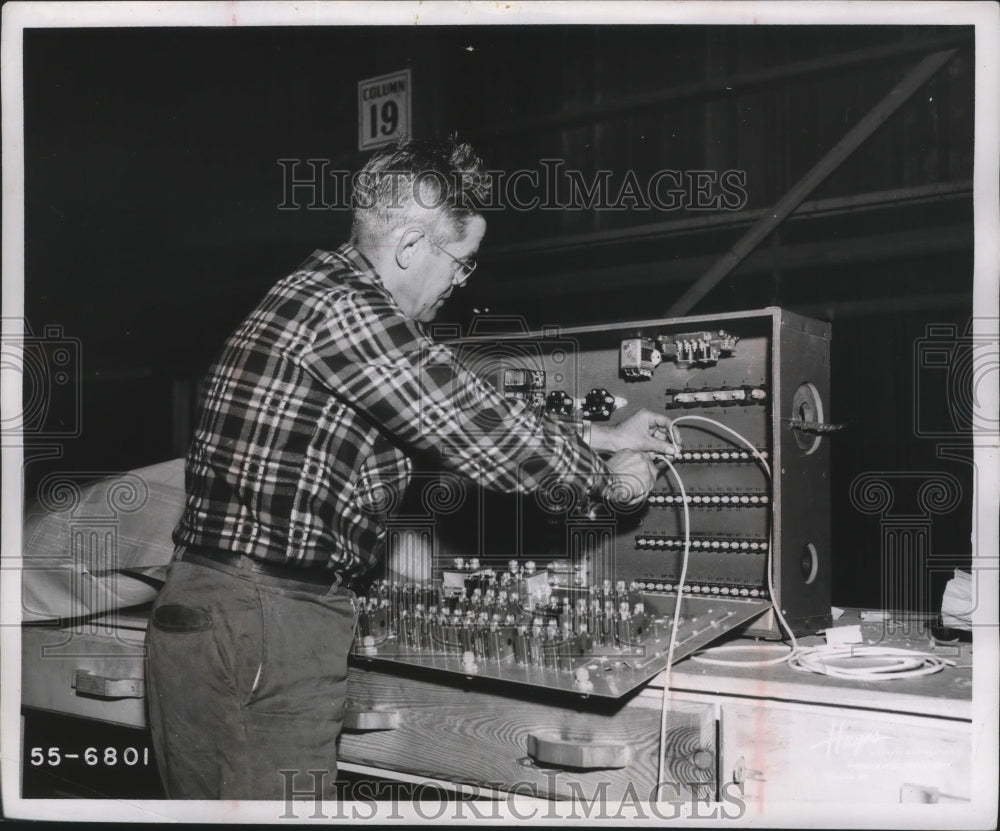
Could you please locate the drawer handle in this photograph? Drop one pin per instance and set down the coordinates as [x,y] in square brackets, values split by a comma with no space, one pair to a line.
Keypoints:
[99,686]
[562,751]
[365,720]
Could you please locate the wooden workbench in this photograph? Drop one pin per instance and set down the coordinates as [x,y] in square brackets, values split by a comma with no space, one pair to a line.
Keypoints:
[770,733]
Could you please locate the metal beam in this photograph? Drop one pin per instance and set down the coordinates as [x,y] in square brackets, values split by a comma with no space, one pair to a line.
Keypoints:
[874,119]
[918,242]
[651,231]
[725,85]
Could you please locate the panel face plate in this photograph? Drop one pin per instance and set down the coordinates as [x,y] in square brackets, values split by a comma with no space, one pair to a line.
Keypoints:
[609,671]
[730,498]
[560,590]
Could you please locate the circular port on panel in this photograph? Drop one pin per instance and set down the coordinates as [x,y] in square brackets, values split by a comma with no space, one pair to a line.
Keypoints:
[807,408]
[809,563]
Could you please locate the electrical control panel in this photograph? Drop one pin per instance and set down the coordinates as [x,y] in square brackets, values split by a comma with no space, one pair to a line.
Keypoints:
[560,591]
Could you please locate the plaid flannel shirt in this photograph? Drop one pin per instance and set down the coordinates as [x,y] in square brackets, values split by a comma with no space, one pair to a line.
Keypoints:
[310,414]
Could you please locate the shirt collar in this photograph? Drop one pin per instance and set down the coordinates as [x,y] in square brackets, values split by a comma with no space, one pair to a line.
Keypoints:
[357,262]
[362,267]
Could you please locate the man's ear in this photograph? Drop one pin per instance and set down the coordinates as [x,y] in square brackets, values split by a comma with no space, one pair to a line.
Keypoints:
[406,246]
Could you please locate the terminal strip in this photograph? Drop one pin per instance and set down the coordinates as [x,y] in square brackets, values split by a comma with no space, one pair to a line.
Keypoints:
[652,542]
[716,456]
[712,588]
[715,397]
[710,500]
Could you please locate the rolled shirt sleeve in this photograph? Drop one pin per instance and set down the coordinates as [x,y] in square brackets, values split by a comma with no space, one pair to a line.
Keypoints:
[421,392]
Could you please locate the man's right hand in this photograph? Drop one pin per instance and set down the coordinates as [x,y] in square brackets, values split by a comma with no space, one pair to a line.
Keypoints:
[633,475]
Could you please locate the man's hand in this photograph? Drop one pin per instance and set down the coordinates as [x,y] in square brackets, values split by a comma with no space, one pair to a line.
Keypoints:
[633,475]
[644,430]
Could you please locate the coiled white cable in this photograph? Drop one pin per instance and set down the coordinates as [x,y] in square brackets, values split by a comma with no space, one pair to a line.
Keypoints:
[874,663]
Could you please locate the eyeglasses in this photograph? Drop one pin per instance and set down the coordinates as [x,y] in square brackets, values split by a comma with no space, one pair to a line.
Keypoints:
[465,267]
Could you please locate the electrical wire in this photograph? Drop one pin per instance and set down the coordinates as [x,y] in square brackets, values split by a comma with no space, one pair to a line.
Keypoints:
[677,615]
[769,565]
[705,657]
[890,663]
[684,563]
[901,663]
[753,450]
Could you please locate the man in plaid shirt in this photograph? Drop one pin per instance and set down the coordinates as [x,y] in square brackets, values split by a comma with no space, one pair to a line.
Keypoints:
[308,421]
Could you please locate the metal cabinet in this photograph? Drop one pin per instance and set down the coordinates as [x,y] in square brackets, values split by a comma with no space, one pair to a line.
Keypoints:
[783,752]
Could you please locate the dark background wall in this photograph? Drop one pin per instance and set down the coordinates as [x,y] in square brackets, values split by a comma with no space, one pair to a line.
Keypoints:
[158,210]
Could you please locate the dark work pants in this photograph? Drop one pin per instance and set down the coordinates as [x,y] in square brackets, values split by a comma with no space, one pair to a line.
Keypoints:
[245,679]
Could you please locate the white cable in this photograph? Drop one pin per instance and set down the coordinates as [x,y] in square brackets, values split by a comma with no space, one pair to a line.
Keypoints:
[895,662]
[677,615]
[769,566]
[704,656]
[901,663]
[753,450]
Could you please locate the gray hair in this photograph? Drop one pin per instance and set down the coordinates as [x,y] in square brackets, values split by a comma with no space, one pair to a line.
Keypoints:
[437,186]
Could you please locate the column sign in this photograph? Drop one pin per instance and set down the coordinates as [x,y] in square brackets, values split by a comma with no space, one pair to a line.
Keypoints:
[383,109]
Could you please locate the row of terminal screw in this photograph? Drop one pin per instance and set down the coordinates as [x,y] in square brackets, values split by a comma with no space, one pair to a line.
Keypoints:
[709,499]
[654,542]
